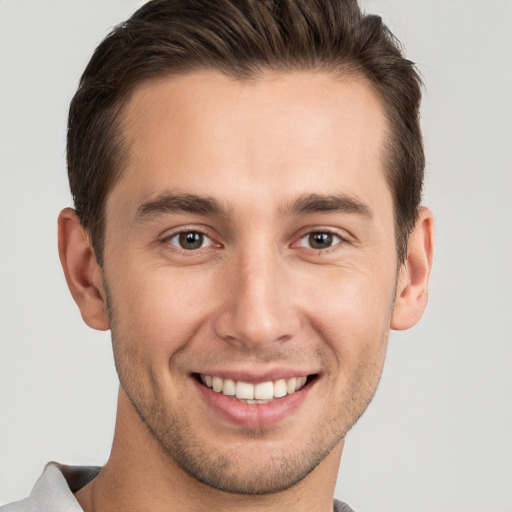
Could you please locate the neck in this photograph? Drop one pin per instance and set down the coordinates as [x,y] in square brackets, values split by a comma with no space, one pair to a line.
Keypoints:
[139,475]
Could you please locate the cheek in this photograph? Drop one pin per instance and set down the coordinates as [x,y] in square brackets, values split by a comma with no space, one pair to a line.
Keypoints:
[159,310]
[352,312]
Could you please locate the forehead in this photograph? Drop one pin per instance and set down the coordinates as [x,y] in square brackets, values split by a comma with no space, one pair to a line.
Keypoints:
[296,132]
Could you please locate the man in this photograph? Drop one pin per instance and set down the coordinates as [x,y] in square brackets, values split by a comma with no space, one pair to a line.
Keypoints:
[247,179]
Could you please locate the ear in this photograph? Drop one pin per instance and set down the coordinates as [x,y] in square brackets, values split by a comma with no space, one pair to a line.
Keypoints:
[412,288]
[83,274]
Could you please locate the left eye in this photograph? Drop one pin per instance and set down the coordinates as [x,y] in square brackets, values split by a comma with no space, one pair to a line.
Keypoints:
[190,240]
[319,240]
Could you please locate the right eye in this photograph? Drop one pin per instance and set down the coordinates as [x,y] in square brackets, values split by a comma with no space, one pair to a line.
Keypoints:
[190,240]
[320,240]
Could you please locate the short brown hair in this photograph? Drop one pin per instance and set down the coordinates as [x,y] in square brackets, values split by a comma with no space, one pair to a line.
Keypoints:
[240,38]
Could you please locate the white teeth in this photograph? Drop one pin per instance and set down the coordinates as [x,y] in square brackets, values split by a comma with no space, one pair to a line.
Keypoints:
[279,388]
[244,390]
[290,386]
[229,387]
[264,391]
[217,384]
[300,383]
[254,393]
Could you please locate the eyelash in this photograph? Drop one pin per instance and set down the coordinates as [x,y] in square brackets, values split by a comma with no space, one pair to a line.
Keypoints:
[187,231]
[338,240]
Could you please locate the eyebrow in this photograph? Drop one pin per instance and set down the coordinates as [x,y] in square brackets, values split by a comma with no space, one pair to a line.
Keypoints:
[179,203]
[338,203]
[168,203]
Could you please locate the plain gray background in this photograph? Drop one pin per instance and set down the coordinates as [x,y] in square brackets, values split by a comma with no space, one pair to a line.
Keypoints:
[438,435]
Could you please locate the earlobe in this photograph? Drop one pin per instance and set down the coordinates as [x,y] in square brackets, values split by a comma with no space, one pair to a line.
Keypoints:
[83,274]
[412,288]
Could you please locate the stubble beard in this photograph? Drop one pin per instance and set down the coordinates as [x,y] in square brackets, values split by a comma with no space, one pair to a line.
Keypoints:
[231,472]
[267,470]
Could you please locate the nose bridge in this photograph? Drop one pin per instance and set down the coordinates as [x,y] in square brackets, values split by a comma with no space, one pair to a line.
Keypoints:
[258,308]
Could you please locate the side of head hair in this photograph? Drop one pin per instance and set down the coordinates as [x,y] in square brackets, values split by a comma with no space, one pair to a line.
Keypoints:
[240,38]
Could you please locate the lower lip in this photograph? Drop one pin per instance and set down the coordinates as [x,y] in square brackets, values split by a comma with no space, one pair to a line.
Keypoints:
[253,416]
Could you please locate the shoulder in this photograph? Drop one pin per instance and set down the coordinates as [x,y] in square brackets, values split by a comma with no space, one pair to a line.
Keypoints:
[53,492]
[339,506]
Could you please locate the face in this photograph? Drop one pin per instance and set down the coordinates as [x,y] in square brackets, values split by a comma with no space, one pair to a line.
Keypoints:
[250,268]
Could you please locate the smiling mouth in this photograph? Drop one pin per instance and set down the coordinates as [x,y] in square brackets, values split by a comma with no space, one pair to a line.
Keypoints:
[260,393]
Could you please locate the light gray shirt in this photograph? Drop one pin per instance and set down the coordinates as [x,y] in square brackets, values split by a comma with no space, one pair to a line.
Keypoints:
[54,490]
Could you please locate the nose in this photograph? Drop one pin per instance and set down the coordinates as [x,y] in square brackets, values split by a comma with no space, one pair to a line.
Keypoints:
[259,303]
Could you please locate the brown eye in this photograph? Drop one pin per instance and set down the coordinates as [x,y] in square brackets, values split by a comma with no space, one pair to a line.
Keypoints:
[189,240]
[320,240]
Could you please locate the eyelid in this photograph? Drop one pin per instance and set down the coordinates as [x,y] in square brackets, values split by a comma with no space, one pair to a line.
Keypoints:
[307,235]
[343,236]
[171,233]
[206,238]
[186,228]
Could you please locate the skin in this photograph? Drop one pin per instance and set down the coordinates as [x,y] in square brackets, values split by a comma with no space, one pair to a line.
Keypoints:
[256,299]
